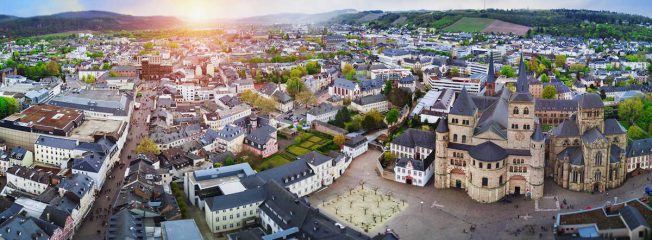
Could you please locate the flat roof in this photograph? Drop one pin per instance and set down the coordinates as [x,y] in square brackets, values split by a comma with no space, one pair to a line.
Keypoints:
[232,187]
[180,229]
[47,116]
[90,127]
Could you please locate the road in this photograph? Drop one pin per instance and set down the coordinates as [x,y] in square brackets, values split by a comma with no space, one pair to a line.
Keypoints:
[95,223]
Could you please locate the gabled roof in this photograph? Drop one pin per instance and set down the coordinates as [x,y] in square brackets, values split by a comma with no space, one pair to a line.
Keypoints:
[413,137]
[589,100]
[464,105]
[592,135]
[574,155]
[633,218]
[315,158]
[612,126]
[567,128]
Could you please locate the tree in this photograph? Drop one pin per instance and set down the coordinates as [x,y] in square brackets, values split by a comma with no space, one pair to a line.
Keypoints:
[388,87]
[53,68]
[560,60]
[392,116]
[147,145]
[630,109]
[106,66]
[549,92]
[545,78]
[148,46]
[507,71]
[348,71]
[635,132]
[229,161]
[306,97]
[388,159]
[294,86]
[339,140]
[343,115]
[8,106]
[266,105]
[313,67]
[455,72]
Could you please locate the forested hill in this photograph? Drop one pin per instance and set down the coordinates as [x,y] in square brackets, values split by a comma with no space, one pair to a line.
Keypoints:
[584,23]
[77,21]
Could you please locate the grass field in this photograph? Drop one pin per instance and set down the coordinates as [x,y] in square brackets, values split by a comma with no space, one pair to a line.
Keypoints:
[273,161]
[297,151]
[468,24]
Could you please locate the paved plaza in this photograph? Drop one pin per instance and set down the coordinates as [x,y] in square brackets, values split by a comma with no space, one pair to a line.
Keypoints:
[364,208]
[451,214]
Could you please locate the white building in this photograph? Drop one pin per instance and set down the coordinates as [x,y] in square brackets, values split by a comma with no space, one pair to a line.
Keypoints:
[323,112]
[414,150]
[373,102]
[356,146]
[25,180]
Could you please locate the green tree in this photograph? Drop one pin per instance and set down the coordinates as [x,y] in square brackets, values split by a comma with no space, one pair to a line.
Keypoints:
[342,116]
[106,66]
[348,71]
[305,97]
[549,92]
[313,67]
[545,78]
[635,132]
[630,110]
[507,71]
[392,116]
[454,72]
[147,145]
[560,60]
[53,68]
[339,140]
[294,86]
[148,46]
[388,87]
[266,105]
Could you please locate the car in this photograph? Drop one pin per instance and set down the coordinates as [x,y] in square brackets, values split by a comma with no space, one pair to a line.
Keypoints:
[648,191]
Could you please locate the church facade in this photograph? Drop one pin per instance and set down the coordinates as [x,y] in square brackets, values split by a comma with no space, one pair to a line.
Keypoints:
[492,146]
[587,152]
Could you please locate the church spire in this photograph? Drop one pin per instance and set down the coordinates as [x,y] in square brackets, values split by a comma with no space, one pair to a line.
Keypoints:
[491,73]
[522,83]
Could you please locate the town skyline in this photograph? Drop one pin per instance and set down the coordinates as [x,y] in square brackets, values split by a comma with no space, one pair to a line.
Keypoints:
[199,10]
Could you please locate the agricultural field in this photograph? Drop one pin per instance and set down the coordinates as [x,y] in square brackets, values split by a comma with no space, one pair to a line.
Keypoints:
[473,25]
[468,24]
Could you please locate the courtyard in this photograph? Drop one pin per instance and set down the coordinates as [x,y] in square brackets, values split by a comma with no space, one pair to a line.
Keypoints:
[364,208]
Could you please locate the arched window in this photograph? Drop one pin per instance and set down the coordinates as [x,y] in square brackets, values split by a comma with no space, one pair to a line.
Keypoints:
[526,111]
[515,110]
[598,159]
[463,138]
[454,137]
[597,176]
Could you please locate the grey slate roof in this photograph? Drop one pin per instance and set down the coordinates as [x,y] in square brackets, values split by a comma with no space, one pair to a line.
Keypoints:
[639,147]
[125,225]
[370,84]
[463,105]
[574,154]
[356,141]
[315,158]
[370,99]
[343,83]
[488,152]
[261,134]
[555,105]
[442,126]
[54,142]
[592,135]
[491,72]
[323,108]
[419,165]
[589,100]
[633,218]
[615,153]
[537,135]
[236,199]
[413,137]
[567,128]
[612,126]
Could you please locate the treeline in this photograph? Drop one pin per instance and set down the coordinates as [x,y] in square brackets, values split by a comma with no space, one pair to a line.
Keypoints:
[562,22]
[8,106]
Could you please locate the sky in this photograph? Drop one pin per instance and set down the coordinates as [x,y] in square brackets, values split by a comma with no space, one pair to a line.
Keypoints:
[219,9]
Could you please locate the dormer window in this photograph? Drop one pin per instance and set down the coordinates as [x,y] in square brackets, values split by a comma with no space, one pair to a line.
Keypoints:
[515,110]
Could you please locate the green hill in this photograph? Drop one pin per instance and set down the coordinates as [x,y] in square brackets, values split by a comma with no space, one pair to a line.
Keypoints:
[469,24]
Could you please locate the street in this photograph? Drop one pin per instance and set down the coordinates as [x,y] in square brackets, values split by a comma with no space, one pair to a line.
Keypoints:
[96,222]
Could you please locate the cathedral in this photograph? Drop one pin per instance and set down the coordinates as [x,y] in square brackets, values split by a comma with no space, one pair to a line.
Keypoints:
[492,145]
[587,152]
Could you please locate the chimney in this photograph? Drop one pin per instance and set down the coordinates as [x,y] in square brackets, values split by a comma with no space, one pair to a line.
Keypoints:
[47,216]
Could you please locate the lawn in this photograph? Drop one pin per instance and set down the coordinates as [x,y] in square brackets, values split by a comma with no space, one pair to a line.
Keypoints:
[468,24]
[297,151]
[273,161]
[315,139]
[306,144]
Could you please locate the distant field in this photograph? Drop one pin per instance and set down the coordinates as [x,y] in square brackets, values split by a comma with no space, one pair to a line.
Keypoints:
[505,27]
[468,24]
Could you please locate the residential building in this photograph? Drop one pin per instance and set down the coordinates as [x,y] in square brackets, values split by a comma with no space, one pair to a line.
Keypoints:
[413,150]
[323,112]
[356,146]
[372,102]
[262,141]
[639,155]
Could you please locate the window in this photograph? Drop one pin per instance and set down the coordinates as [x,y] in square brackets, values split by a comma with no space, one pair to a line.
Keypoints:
[514,126]
[598,159]
[454,137]
[500,180]
[489,166]
[485,181]
[480,165]
[597,176]
[465,122]
[463,138]
[515,110]
[498,165]
[526,111]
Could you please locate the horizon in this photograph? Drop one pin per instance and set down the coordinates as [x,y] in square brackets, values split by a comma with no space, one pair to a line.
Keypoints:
[202,10]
